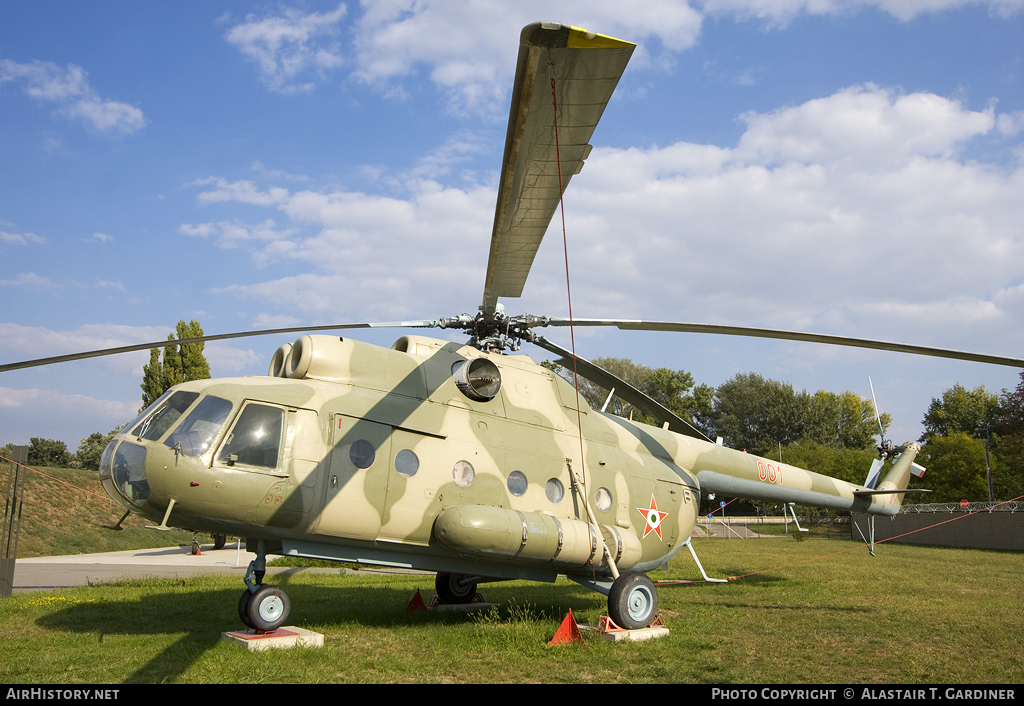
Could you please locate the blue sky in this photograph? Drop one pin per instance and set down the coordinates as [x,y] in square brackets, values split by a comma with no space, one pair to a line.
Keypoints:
[843,167]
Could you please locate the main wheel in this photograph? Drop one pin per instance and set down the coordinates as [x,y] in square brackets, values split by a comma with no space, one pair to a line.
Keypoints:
[268,608]
[633,601]
[454,589]
[219,540]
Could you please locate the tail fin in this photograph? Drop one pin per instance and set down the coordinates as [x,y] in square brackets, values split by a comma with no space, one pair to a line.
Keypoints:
[888,496]
[874,474]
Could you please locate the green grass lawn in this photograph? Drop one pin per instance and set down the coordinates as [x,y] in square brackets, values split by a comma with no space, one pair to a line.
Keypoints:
[910,615]
[65,510]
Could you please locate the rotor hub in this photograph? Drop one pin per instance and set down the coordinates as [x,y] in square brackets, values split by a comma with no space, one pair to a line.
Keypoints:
[495,331]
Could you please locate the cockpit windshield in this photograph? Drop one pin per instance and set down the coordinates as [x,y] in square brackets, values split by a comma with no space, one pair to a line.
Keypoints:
[196,433]
[165,415]
[255,439]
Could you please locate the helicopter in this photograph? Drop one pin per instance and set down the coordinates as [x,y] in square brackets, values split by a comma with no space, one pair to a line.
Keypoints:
[466,459]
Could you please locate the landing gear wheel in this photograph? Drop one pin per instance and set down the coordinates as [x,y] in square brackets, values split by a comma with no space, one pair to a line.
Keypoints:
[243,608]
[219,540]
[633,601]
[453,588]
[267,608]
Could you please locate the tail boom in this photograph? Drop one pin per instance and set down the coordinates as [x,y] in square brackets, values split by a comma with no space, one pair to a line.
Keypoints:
[735,474]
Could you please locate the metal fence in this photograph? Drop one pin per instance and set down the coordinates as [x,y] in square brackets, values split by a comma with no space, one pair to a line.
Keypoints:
[963,506]
[992,528]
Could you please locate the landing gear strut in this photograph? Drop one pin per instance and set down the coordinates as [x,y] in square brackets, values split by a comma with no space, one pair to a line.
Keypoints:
[263,608]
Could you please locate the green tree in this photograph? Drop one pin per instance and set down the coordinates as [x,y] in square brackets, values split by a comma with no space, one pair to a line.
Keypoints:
[193,362]
[48,452]
[673,389]
[180,363]
[956,468]
[152,379]
[756,414]
[960,410]
[849,464]
[843,421]
[759,415]
[92,446]
[1008,430]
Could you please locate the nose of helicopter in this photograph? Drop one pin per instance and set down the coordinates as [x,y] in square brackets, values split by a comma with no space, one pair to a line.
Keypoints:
[123,473]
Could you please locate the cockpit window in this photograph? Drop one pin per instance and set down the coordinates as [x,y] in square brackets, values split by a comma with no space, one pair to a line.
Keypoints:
[130,426]
[165,415]
[194,436]
[255,439]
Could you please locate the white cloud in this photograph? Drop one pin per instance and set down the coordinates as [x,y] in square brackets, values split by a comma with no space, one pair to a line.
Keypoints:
[22,238]
[106,284]
[29,279]
[260,169]
[781,12]
[866,124]
[243,191]
[466,50]
[70,90]
[18,342]
[1010,124]
[102,237]
[852,214]
[229,360]
[289,45]
[231,235]
[104,414]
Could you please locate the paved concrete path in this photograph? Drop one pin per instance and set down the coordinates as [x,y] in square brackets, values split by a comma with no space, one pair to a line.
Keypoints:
[49,572]
[46,572]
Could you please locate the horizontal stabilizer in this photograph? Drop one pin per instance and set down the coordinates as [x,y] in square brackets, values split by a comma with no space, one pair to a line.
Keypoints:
[917,470]
[887,492]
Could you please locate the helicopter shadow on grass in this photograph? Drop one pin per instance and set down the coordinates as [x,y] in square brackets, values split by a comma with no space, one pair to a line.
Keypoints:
[204,614]
[766,581]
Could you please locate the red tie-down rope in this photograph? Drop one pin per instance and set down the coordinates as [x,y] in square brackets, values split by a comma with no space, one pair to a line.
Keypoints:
[851,549]
[102,497]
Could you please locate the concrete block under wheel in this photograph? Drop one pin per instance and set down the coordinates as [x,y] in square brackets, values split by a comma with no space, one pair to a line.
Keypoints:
[620,634]
[282,638]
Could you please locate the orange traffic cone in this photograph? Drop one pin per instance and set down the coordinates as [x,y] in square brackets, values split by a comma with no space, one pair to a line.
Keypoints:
[416,605]
[568,632]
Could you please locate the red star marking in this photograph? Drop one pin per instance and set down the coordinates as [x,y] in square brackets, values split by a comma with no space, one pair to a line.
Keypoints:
[653,516]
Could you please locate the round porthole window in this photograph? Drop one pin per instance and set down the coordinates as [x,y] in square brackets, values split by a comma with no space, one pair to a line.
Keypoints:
[603,499]
[407,463]
[362,454]
[463,474]
[516,483]
[554,490]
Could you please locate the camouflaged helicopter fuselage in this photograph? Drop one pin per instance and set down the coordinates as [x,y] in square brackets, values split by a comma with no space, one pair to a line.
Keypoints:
[381,458]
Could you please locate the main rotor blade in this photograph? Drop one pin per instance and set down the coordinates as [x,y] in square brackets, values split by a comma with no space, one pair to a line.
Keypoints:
[623,390]
[679,327]
[586,68]
[216,337]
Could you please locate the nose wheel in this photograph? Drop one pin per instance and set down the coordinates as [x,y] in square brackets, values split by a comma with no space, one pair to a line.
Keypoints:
[263,608]
[266,609]
[633,601]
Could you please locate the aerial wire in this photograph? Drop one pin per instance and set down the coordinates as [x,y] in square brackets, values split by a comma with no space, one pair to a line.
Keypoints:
[568,290]
[572,335]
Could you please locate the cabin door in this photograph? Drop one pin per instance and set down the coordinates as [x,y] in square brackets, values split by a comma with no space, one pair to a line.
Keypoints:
[356,480]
